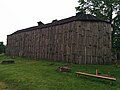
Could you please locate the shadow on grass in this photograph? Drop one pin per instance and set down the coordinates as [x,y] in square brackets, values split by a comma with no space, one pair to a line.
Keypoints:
[99,80]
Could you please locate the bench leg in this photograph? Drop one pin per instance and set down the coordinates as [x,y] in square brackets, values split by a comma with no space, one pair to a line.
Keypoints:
[77,75]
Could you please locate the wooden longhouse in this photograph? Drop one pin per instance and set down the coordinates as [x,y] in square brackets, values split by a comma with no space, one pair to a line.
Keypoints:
[82,39]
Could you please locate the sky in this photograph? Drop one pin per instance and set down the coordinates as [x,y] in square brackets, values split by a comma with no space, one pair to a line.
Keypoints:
[19,14]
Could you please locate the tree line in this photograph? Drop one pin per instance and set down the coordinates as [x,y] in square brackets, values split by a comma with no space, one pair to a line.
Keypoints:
[2,48]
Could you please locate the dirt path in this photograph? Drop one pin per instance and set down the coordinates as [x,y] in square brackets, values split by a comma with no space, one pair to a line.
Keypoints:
[3,86]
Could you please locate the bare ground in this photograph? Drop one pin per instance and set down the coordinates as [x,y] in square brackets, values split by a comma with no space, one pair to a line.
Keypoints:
[3,86]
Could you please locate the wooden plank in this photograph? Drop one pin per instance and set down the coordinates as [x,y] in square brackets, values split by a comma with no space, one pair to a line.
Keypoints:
[97,76]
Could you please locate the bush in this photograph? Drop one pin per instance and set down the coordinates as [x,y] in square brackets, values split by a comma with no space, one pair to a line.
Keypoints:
[2,48]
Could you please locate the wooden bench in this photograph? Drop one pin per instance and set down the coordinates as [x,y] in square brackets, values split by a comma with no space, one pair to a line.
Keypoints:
[64,69]
[8,62]
[96,76]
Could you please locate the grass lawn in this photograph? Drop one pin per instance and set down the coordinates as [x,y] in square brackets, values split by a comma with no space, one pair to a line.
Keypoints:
[28,74]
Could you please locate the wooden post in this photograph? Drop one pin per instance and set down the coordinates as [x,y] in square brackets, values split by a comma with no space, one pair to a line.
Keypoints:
[96,71]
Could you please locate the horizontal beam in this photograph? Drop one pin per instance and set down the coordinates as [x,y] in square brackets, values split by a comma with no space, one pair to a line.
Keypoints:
[97,76]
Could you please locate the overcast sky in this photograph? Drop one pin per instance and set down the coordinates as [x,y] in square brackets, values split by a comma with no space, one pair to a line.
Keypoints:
[20,14]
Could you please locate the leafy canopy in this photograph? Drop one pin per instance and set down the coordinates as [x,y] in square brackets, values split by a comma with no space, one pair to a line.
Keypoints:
[108,10]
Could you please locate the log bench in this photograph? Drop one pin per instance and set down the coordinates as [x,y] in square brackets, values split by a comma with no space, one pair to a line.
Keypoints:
[8,62]
[96,76]
[64,69]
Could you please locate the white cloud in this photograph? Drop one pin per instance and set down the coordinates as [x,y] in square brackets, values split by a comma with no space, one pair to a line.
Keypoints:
[19,14]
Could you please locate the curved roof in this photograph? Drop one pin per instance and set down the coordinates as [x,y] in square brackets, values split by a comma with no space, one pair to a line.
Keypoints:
[79,17]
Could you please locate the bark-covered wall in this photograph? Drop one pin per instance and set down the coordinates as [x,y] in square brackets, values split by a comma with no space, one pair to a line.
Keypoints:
[83,42]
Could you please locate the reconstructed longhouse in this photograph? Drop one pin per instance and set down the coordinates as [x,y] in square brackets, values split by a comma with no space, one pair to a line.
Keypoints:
[82,39]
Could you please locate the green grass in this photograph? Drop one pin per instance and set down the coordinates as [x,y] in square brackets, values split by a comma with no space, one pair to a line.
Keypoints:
[28,74]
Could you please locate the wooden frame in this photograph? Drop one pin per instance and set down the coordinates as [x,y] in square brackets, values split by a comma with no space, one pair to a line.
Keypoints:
[96,76]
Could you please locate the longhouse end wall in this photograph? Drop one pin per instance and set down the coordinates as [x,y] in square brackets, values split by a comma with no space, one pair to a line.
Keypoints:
[82,42]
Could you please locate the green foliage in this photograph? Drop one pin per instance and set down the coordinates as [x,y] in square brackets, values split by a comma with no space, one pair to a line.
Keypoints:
[116,35]
[108,10]
[2,48]
[28,74]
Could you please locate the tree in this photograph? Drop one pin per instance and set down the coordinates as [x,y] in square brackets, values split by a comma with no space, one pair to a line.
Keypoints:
[108,10]
[2,48]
